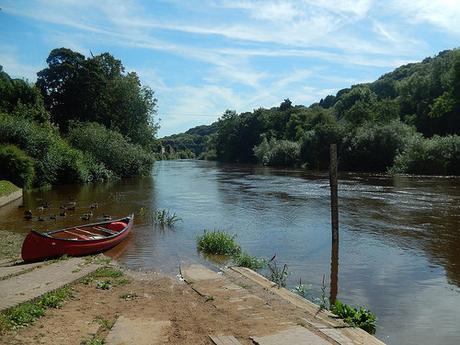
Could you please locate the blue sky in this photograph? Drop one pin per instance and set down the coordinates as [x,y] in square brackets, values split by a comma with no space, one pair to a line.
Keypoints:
[205,56]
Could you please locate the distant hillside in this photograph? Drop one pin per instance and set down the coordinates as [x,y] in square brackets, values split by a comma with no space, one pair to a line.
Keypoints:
[406,121]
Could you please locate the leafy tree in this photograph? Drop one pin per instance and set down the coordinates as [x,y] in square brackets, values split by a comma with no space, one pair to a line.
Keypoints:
[97,89]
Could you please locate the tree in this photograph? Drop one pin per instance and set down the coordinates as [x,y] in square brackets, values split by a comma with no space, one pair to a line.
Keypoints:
[97,89]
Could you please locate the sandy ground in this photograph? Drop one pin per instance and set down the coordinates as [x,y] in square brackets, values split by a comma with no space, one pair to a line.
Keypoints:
[193,317]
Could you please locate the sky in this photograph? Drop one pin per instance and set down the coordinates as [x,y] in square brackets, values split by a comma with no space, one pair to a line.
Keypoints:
[202,57]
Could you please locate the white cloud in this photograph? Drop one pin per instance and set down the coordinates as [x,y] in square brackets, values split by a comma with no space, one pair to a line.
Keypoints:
[442,14]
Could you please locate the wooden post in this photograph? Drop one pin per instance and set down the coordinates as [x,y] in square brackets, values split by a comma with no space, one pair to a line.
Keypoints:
[335,223]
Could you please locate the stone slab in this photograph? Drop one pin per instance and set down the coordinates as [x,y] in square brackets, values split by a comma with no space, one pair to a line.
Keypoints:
[292,336]
[138,331]
[196,273]
[10,270]
[351,336]
[320,316]
[30,285]
[6,199]
[224,340]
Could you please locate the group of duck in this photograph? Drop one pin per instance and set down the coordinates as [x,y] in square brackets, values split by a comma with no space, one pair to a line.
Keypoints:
[63,210]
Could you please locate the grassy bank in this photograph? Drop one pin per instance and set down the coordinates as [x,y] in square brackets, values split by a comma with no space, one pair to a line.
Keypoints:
[11,245]
[6,187]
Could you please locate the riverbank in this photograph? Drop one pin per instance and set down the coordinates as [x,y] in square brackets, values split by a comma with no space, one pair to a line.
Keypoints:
[114,305]
[10,249]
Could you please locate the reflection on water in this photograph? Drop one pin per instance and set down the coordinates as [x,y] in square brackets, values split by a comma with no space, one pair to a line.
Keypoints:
[399,236]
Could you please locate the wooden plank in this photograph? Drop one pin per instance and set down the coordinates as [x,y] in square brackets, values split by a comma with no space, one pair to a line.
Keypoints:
[224,340]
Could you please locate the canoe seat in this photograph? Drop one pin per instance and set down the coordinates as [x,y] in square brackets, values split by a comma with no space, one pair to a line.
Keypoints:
[108,231]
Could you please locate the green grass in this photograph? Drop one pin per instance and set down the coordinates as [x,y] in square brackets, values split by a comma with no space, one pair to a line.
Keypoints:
[6,188]
[217,243]
[105,323]
[93,341]
[107,272]
[26,313]
[358,317]
[165,218]
[243,259]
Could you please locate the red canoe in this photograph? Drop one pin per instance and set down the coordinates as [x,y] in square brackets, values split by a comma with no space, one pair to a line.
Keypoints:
[78,240]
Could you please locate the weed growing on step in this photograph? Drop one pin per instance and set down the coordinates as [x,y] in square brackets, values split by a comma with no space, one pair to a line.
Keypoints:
[104,323]
[301,289]
[92,341]
[104,284]
[323,301]
[217,243]
[243,259]
[358,317]
[278,274]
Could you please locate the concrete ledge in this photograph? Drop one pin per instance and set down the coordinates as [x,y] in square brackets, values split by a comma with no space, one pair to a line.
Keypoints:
[6,199]
[328,323]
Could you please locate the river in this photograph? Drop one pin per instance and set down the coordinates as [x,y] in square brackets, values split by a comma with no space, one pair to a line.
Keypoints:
[399,236]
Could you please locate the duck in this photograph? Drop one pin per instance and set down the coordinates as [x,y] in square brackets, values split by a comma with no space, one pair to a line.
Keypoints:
[94,205]
[106,217]
[87,216]
[53,217]
[28,214]
[41,219]
[63,213]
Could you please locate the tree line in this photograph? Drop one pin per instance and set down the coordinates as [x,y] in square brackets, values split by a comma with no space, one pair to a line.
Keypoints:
[407,121]
[85,119]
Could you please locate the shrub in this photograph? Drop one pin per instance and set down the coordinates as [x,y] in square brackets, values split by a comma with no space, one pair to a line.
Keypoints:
[111,148]
[277,152]
[243,259]
[374,146]
[358,317]
[16,166]
[55,161]
[435,156]
[218,243]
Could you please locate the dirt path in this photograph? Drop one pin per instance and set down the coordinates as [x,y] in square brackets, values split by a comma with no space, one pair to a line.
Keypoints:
[229,305]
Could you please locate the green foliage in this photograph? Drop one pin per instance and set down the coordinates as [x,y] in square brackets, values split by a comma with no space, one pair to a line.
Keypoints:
[277,152]
[55,161]
[54,299]
[374,146]
[6,187]
[217,243]
[369,122]
[435,156]
[358,317]
[111,148]
[105,284]
[16,166]
[277,274]
[243,259]
[97,89]
[165,218]
[26,313]
[107,272]
[93,341]
[301,289]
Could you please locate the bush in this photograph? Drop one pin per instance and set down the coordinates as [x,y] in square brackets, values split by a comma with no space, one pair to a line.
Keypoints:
[111,148]
[16,166]
[218,243]
[243,259]
[358,317]
[435,156]
[374,146]
[55,161]
[277,152]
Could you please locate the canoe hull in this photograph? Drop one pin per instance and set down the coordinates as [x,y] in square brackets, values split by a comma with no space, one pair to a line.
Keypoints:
[39,246]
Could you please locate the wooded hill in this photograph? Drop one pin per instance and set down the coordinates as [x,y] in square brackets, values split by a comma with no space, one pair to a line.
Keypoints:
[407,121]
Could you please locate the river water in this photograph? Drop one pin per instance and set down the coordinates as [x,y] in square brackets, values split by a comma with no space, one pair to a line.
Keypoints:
[399,236]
